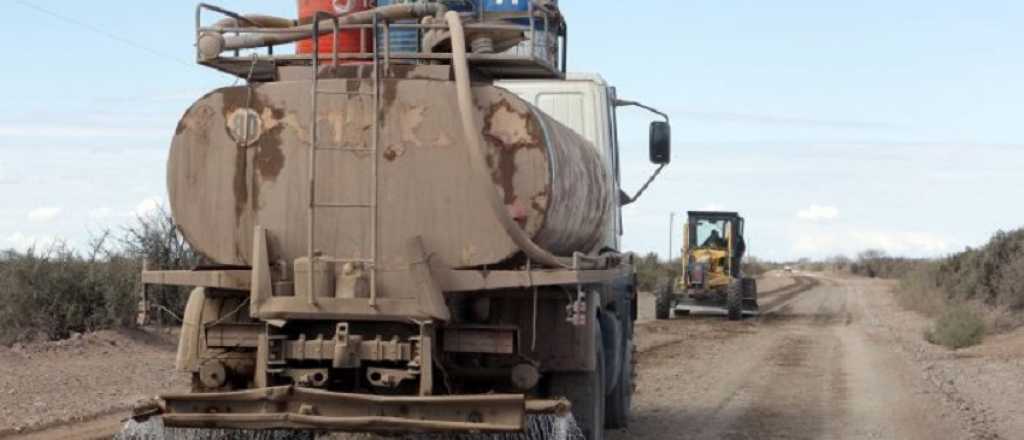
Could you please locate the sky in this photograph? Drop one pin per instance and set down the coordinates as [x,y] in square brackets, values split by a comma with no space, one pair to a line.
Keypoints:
[832,127]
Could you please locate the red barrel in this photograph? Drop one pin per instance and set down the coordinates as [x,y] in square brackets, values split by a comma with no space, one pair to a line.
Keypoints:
[348,41]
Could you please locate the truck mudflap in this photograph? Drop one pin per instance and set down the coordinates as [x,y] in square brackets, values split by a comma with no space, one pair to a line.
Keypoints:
[291,407]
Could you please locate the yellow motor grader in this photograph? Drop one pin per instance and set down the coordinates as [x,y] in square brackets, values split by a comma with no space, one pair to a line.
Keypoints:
[712,272]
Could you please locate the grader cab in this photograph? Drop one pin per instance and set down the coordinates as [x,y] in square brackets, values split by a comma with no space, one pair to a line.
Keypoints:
[712,269]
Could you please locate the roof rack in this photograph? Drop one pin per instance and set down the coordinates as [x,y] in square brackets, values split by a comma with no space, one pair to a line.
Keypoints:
[540,52]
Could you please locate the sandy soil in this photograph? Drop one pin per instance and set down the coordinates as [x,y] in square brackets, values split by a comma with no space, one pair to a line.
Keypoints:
[830,358]
[92,378]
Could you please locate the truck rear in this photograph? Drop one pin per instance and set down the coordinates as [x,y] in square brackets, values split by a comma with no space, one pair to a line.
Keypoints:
[401,241]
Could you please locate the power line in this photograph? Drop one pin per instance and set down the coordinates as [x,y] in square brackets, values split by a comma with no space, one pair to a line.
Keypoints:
[100,31]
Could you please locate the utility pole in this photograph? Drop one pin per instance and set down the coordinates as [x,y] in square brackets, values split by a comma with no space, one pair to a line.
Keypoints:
[671,230]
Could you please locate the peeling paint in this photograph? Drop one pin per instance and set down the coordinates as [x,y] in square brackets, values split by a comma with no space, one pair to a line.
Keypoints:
[442,140]
[510,129]
[410,119]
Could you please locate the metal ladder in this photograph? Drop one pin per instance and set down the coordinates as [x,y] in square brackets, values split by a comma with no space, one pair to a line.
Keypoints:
[369,262]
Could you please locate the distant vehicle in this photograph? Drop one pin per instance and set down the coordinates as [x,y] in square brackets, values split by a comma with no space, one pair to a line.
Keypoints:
[712,268]
[788,269]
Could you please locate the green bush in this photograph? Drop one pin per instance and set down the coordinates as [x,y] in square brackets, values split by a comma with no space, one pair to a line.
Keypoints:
[958,327]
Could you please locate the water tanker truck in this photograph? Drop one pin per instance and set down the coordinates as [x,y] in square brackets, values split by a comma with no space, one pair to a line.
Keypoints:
[401,240]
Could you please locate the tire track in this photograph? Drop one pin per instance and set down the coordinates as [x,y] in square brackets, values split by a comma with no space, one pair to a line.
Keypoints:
[783,295]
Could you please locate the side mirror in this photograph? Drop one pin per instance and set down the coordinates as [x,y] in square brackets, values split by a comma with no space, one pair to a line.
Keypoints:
[661,142]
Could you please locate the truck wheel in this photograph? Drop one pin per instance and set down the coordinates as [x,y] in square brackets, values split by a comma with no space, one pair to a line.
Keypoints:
[586,392]
[663,301]
[620,401]
[734,300]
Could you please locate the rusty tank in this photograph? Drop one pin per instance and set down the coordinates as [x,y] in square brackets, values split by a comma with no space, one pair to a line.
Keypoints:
[408,242]
[240,159]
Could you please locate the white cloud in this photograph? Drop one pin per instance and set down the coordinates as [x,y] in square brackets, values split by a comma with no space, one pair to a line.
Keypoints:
[43,215]
[6,178]
[101,213]
[21,242]
[79,132]
[902,243]
[148,206]
[713,207]
[143,208]
[850,241]
[816,213]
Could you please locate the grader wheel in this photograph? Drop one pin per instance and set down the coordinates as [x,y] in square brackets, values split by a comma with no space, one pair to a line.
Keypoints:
[734,300]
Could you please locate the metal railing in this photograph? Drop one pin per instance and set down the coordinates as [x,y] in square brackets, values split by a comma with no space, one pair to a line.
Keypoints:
[544,44]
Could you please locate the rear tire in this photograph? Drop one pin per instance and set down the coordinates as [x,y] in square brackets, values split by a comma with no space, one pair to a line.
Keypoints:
[663,301]
[586,392]
[734,300]
[620,401]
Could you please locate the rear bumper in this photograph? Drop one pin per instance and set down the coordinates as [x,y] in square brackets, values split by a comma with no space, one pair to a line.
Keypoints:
[291,407]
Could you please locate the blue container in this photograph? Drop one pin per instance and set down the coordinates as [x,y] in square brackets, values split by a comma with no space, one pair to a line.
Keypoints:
[401,39]
[492,6]
[512,7]
[506,5]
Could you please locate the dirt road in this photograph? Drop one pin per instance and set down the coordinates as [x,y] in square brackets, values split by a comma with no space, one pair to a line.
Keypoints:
[813,366]
[830,358]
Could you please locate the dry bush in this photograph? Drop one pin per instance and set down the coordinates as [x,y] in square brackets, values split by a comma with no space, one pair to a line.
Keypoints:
[52,292]
[958,327]
[755,267]
[650,271]
[919,291]
[977,288]
[992,274]
[874,263]
[156,239]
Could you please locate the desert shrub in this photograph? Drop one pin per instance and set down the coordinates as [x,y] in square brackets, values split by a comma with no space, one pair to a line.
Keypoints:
[54,291]
[986,283]
[755,267]
[918,290]
[814,266]
[839,263]
[876,264]
[156,240]
[650,271]
[958,327]
[992,274]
